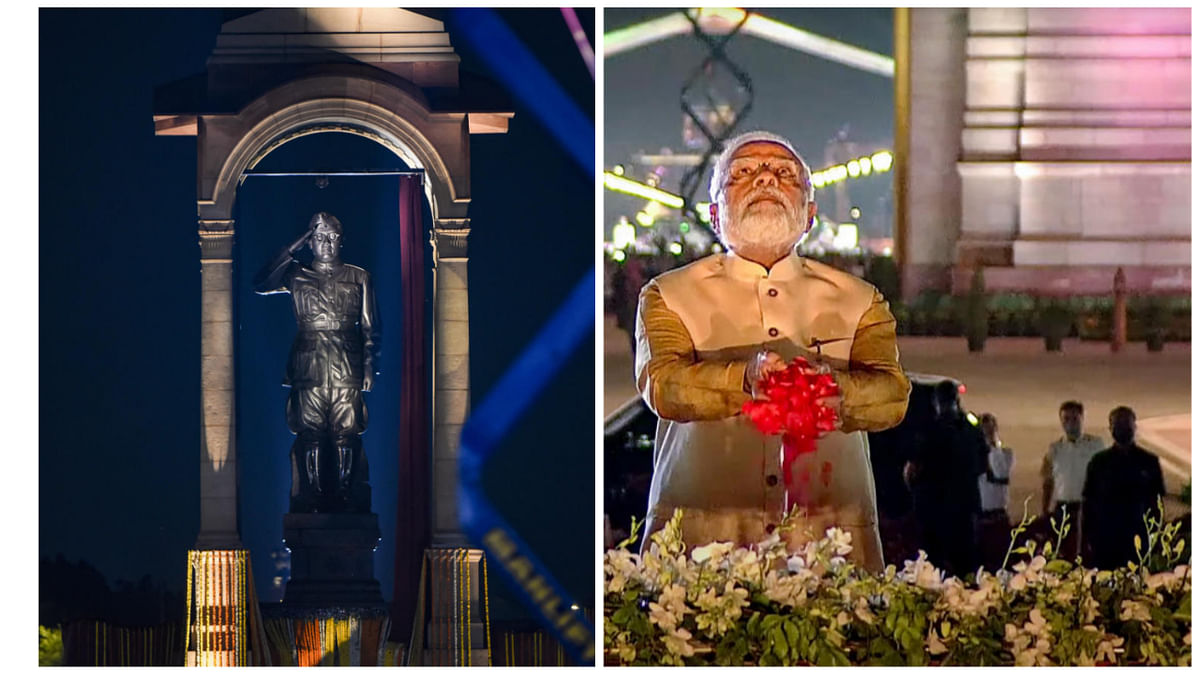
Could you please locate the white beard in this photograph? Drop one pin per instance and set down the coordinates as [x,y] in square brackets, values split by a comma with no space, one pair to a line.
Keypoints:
[769,233]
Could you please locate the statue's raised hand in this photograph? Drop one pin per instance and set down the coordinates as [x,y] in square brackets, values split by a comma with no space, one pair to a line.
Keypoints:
[302,240]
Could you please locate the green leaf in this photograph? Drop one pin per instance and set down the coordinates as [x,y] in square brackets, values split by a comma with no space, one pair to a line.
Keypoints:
[1185,609]
[771,621]
[793,638]
[754,622]
[1059,567]
[885,653]
[624,615]
[779,644]
[732,650]
[910,639]
[640,624]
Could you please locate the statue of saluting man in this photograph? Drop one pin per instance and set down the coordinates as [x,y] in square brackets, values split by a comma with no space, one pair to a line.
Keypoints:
[334,359]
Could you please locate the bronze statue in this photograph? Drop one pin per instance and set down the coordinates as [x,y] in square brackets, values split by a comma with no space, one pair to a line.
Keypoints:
[334,359]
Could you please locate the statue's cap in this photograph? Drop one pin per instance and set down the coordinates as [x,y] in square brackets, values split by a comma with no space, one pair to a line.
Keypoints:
[325,219]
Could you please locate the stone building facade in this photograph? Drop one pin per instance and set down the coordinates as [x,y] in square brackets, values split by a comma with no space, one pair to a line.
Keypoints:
[1049,146]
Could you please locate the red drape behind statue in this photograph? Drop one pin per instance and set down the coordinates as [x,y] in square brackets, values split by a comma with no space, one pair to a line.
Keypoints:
[412,481]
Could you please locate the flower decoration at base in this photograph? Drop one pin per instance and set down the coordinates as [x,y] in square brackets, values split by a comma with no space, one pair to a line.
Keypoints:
[766,605]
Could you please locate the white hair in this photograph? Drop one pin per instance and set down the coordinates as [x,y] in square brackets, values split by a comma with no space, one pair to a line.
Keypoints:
[720,172]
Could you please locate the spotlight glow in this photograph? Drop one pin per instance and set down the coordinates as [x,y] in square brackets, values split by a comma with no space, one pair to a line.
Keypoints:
[846,238]
[624,234]
[620,184]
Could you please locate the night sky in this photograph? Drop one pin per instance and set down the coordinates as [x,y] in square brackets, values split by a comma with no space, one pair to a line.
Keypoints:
[119,303]
[799,95]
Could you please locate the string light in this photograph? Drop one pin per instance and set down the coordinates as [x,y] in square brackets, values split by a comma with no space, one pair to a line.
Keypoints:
[487,615]
[859,167]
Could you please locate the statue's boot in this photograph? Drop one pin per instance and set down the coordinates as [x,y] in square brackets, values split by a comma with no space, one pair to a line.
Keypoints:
[352,473]
[328,476]
[345,455]
[306,486]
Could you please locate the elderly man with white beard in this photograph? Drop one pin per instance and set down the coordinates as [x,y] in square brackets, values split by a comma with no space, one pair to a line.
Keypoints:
[708,332]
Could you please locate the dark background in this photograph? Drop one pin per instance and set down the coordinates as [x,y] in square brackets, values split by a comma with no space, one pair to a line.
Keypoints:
[119,304]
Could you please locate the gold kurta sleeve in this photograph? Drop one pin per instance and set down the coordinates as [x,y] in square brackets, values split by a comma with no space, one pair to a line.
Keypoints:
[874,389]
[673,382]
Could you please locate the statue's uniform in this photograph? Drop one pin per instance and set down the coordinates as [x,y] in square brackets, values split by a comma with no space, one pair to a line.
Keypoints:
[336,343]
[697,329]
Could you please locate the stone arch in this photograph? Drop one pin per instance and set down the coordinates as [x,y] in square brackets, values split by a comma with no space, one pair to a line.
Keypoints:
[396,115]
[383,112]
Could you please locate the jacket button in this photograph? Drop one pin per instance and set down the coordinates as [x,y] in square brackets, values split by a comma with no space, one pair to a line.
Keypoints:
[773,292]
[770,528]
[772,480]
[773,332]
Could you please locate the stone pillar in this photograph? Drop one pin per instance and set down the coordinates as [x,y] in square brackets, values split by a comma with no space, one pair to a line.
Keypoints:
[218,450]
[933,193]
[455,630]
[451,374]
[449,557]
[1076,149]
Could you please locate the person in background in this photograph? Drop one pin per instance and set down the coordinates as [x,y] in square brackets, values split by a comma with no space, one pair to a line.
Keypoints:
[944,476]
[993,494]
[1122,483]
[1063,471]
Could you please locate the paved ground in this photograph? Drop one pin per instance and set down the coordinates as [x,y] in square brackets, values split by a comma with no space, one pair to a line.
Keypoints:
[1022,385]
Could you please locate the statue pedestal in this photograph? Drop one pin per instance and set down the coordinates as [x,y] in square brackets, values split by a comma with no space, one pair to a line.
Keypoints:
[333,563]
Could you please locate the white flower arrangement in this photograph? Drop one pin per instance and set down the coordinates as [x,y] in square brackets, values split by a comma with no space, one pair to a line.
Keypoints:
[725,605]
